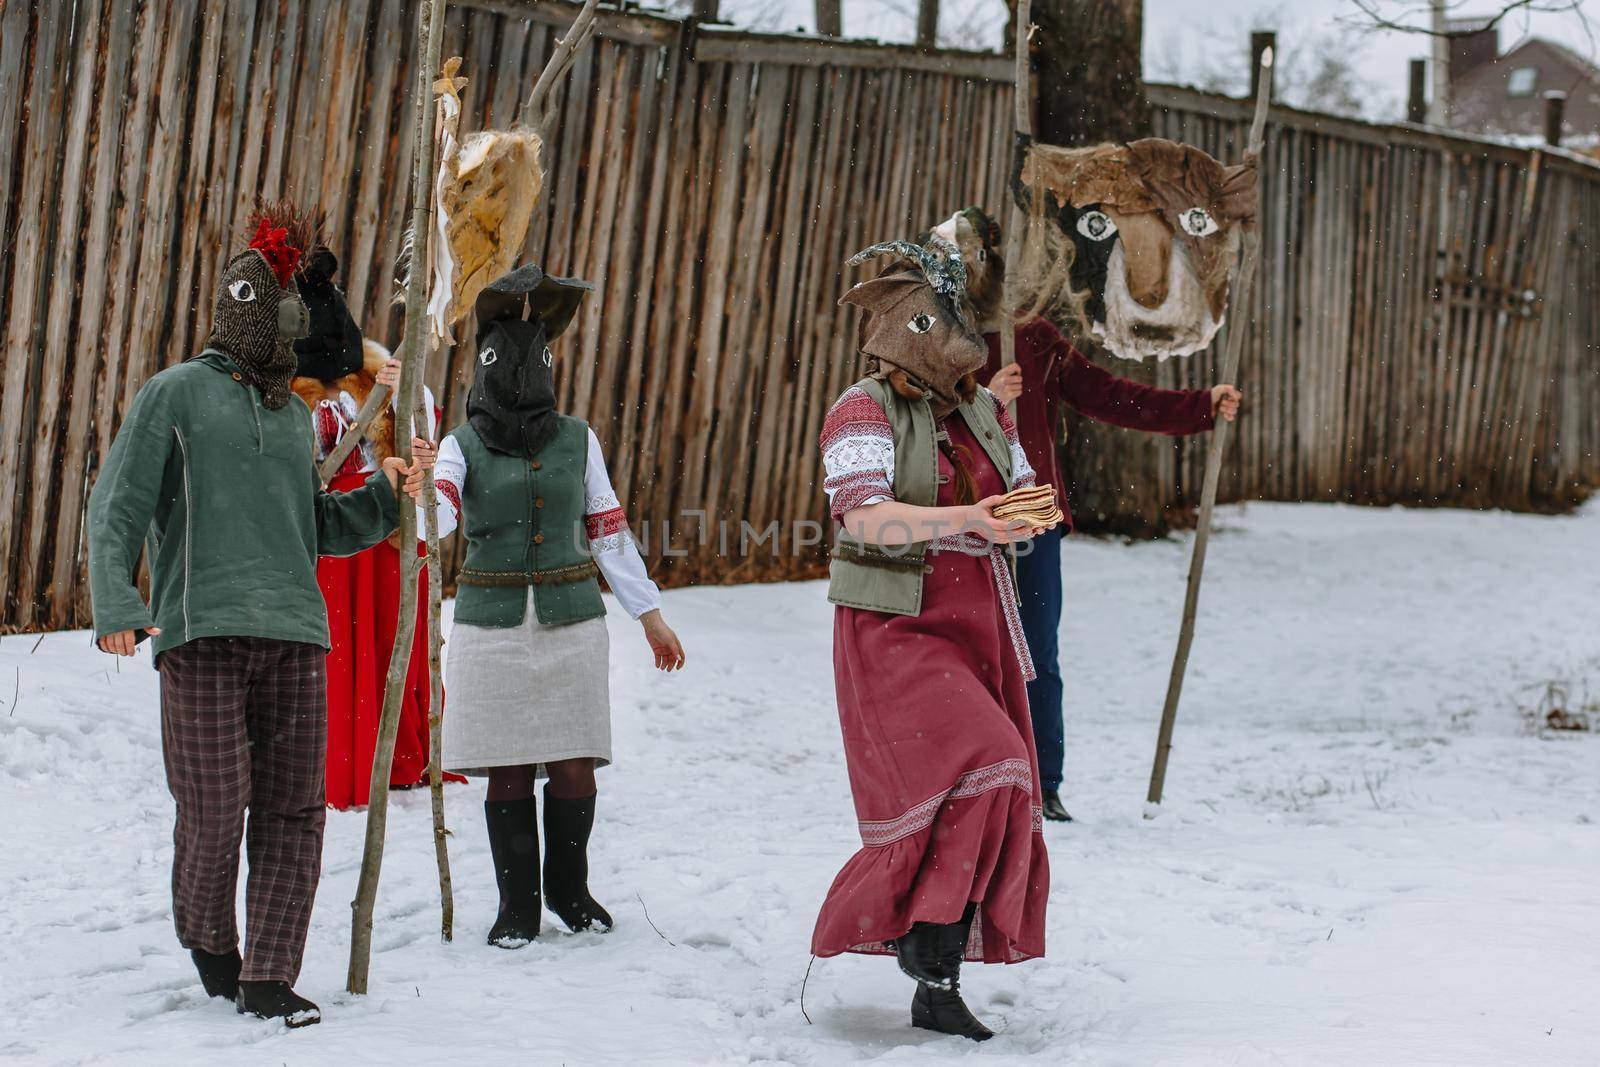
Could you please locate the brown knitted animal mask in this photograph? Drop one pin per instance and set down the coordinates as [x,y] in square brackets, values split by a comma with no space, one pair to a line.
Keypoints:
[918,344]
[1155,230]
[258,315]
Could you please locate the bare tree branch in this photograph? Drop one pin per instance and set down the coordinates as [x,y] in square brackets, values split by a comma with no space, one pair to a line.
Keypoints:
[1373,17]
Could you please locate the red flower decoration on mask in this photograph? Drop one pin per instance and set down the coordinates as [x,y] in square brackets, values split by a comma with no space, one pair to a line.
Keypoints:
[281,256]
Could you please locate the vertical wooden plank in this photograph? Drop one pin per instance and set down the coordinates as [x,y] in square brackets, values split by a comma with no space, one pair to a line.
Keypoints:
[41,145]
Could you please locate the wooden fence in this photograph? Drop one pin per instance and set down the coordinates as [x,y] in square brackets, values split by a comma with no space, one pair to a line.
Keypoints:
[711,184]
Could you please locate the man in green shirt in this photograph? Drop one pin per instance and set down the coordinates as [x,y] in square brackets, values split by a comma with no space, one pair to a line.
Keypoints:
[212,474]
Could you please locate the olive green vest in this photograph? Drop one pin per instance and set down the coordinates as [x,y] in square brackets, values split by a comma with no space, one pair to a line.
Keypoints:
[889,578]
[523,520]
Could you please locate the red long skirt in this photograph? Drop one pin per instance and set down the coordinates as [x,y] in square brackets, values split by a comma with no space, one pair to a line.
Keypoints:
[363,597]
[939,744]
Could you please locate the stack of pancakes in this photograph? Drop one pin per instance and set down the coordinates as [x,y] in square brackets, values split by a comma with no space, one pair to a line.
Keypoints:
[1035,506]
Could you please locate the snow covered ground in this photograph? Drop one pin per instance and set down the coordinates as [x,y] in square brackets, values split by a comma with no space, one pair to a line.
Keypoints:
[1366,855]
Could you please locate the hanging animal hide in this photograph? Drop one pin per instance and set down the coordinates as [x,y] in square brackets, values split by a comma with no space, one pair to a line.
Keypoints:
[485,192]
[1151,233]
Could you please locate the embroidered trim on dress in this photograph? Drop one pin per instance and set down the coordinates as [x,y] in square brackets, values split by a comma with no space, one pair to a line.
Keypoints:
[1009,772]
[1008,605]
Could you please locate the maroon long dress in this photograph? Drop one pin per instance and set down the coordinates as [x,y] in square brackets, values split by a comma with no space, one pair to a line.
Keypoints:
[937,737]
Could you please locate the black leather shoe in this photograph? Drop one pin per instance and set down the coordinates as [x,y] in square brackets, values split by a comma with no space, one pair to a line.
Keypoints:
[275,1000]
[944,1012]
[219,974]
[514,846]
[1054,810]
[567,824]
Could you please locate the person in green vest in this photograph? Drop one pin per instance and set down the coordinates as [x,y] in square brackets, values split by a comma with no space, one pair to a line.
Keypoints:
[529,652]
[212,477]
[930,663]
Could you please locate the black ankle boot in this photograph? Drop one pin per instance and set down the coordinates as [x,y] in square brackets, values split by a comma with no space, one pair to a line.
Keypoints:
[275,1000]
[1054,810]
[219,974]
[514,844]
[943,1011]
[566,862]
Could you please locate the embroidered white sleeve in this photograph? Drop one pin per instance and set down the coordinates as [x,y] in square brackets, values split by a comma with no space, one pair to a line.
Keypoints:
[611,542]
[449,478]
[857,453]
[1023,475]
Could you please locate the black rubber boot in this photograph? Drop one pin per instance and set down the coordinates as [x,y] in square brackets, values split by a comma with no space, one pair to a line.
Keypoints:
[1054,810]
[944,1012]
[514,844]
[219,974]
[275,1000]
[567,824]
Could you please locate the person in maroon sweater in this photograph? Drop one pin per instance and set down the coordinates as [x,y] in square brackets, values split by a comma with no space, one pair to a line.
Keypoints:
[1050,372]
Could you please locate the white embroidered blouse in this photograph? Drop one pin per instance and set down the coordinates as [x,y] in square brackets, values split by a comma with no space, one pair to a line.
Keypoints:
[611,542]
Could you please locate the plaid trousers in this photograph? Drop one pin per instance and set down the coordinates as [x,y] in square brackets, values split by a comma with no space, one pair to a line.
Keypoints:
[244,726]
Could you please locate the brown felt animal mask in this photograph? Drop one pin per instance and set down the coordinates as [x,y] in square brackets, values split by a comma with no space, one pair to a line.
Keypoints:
[1154,227]
[914,328]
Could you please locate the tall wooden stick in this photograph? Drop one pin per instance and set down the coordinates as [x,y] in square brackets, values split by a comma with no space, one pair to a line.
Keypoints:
[1021,92]
[1242,285]
[430,33]
[445,128]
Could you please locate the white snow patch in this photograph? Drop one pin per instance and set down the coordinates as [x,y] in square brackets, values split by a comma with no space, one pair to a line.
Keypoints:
[1364,855]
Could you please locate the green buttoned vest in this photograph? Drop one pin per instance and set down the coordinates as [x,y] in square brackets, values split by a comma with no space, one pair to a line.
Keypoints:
[889,578]
[524,524]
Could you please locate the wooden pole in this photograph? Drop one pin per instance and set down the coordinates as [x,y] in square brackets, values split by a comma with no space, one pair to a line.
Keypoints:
[1260,42]
[1417,96]
[927,23]
[430,33]
[1219,439]
[830,19]
[1021,94]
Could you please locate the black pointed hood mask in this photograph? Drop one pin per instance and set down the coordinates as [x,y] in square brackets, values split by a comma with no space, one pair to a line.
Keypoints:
[513,397]
[332,348]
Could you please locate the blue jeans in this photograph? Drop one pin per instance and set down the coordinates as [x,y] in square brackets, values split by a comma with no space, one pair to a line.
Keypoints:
[1039,597]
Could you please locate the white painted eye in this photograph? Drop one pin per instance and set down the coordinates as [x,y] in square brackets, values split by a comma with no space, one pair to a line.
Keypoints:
[487,357]
[242,291]
[1197,222]
[921,323]
[548,359]
[1096,226]
[983,255]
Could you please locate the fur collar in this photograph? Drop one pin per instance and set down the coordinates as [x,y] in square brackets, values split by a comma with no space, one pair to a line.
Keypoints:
[359,385]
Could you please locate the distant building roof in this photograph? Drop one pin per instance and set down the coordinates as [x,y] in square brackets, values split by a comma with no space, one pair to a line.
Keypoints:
[1504,95]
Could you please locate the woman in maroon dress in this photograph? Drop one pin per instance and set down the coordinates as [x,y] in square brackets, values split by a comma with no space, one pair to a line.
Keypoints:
[930,663]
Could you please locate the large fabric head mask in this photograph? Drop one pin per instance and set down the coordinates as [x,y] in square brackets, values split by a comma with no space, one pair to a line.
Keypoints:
[257,315]
[513,396]
[332,348]
[914,327]
[1154,227]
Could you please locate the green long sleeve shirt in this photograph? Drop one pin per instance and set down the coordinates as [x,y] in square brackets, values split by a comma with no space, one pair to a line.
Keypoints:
[223,493]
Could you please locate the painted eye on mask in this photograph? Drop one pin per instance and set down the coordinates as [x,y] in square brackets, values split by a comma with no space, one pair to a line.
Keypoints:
[1096,226]
[921,323]
[242,291]
[1197,222]
[487,357]
[983,255]
[548,358]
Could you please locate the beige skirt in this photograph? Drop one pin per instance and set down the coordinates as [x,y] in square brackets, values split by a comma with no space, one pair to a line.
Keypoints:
[526,694]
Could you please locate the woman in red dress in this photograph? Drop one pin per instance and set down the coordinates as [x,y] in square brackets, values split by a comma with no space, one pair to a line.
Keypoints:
[362,592]
[930,663]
